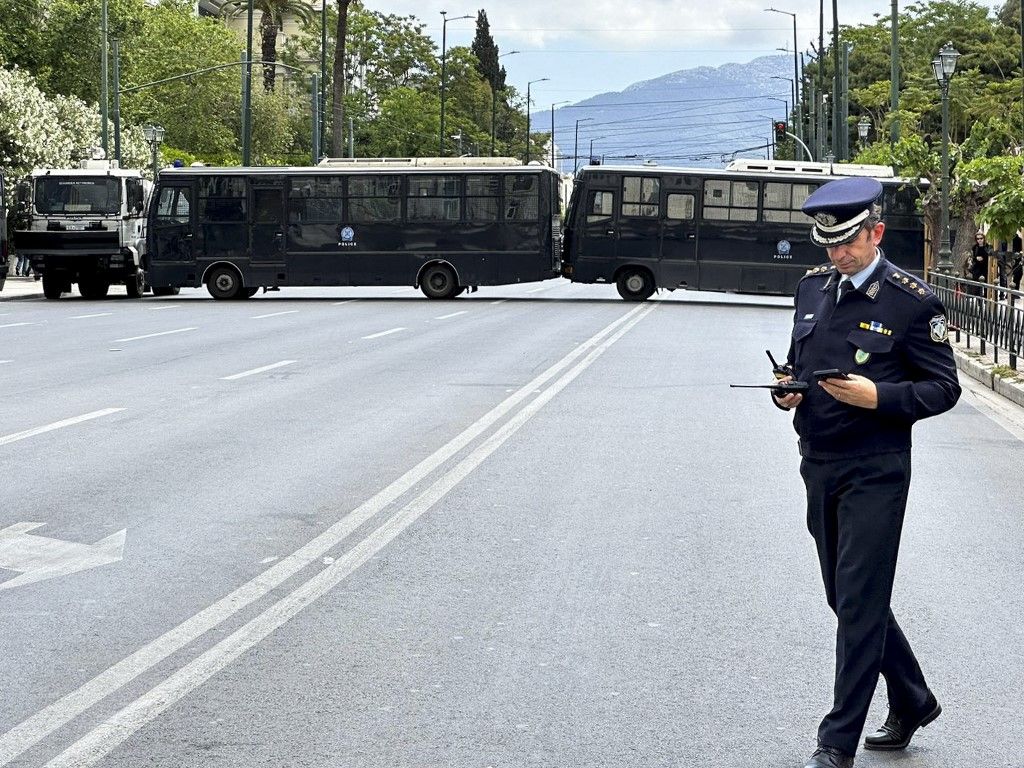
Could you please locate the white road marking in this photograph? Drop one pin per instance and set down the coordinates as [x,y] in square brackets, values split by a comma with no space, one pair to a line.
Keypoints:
[3,362]
[453,314]
[15,325]
[35,728]
[541,288]
[38,558]
[116,729]
[254,371]
[499,301]
[383,333]
[98,314]
[346,301]
[165,306]
[153,335]
[276,314]
[399,290]
[57,425]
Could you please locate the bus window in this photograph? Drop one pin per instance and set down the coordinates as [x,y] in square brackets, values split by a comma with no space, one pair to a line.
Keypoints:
[315,199]
[374,198]
[266,206]
[483,198]
[680,207]
[899,201]
[522,197]
[640,195]
[782,202]
[726,200]
[433,198]
[173,205]
[599,206]
[222,198]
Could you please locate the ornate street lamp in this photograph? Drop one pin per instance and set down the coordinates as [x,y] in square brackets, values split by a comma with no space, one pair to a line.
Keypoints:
[943,67]
[863,127]
[154,135]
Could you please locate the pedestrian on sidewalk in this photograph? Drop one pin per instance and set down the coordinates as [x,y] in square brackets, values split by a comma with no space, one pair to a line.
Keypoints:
[885,331]
[977,263]
[22,267]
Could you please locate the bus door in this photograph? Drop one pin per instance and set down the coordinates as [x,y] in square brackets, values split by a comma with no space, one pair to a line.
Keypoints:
[679,240]
[172,225]
[639,227]
[267,221]
[599,237]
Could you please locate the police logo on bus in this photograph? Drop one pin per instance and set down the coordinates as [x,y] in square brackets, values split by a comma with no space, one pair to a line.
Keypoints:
[348,234]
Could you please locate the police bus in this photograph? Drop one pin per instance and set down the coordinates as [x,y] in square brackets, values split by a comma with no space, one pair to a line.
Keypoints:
[4,257]
[735,229]
[445,225]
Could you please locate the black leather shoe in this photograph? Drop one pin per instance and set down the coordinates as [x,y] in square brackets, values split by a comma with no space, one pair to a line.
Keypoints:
[898,730]
[829,757]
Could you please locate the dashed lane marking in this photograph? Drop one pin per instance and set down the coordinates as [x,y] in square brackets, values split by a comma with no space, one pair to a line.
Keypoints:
[154,335]
[254,371]
[276,314]
[383,333]
[57,425]
[97,314]
[453,314]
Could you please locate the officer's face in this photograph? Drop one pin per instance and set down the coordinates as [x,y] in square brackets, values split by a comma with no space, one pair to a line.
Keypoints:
[850,258]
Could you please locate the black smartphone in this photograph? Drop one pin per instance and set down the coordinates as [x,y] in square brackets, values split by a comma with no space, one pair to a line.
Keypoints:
[830,373]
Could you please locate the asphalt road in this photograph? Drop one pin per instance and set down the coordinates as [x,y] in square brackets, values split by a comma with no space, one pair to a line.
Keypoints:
[527,527]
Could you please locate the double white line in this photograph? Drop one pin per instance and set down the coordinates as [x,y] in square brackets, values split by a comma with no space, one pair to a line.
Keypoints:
[117,728]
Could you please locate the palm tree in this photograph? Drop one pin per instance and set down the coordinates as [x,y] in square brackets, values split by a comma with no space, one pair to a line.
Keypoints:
[272,15]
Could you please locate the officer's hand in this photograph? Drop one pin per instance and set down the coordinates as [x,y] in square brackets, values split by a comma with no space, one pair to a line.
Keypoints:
[856,390]
[791,400]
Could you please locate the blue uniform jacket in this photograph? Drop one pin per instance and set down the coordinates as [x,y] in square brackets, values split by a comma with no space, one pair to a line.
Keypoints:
[891,330]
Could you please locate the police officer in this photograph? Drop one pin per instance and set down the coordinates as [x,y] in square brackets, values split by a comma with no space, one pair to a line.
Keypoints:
[886,331]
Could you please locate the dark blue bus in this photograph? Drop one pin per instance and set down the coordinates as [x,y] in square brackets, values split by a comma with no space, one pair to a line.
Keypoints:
[444,225]
[736,229]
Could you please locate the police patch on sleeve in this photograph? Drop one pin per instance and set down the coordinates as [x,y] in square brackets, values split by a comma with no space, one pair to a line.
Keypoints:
[939,328]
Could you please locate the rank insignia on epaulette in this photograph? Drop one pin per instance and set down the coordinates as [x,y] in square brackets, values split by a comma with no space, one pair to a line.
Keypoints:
[922,291]
[873,289]
[905,280]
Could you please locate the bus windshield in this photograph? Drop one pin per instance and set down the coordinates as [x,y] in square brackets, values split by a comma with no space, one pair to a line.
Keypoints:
[78,195]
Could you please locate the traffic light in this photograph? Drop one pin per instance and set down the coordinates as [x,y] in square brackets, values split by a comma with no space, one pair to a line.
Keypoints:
[780,131]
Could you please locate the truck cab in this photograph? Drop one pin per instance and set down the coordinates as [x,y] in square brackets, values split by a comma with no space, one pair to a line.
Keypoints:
[84,225]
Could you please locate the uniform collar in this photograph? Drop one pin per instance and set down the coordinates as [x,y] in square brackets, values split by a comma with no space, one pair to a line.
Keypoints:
[868,281]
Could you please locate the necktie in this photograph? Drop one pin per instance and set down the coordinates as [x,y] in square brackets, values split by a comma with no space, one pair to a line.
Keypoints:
[845,286]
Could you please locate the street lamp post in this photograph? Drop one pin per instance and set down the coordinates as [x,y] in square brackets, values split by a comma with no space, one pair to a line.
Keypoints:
[590,157]
[247,91]
[541,80]
[154,136]
[576,145]
[494,105]
[863,126]
[444,70]
[318,150]
[943,67]
[553,105]
[792,94]
[796,75]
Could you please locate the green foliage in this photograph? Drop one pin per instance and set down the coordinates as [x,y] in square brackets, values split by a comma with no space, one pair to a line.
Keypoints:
[21,28]
[486,52]
[1003,210]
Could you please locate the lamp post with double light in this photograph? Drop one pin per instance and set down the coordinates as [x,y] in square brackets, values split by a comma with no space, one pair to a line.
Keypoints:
[943,67]
[494,104]
[154,135]
[444,70]
[541,80]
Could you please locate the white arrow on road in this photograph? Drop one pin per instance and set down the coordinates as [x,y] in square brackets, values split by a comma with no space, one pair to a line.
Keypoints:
[38,558]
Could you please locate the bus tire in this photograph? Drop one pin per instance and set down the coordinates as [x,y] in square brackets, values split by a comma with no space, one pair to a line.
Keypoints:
[53,286]
[438,282]
[635,284]
[93,288]
[166,290]
[136,285]
[224,283]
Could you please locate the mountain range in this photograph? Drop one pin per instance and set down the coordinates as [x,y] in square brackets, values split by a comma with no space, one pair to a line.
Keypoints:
[703,116]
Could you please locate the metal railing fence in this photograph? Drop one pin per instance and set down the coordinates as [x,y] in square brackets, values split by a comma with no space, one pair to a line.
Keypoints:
[989,313]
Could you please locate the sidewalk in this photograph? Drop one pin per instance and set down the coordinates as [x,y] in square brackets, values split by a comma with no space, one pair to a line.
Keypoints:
[1000,378]
[21,288]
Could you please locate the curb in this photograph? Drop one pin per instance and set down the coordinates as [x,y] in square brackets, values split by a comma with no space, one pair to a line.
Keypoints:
[982,369]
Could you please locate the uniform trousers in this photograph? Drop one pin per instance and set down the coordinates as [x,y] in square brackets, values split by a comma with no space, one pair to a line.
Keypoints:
[855,509]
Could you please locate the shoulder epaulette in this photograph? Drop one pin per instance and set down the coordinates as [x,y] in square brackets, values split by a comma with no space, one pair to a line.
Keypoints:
[822,269]
[912,285]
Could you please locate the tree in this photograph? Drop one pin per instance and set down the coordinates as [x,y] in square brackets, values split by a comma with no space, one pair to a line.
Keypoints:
[338,86]
[486,52]
[272,16]
[21,34]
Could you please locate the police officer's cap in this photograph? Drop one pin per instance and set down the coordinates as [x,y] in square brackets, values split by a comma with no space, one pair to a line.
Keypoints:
[840,208]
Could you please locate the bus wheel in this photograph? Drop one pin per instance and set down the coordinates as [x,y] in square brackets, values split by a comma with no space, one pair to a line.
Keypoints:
[635,284]
[93,288]
[53,286]
[224,283]
[439,282]
[166,290]
[136,285]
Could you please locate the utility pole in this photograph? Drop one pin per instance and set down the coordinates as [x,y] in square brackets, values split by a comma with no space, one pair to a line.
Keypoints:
[836,78]
[318,150]
[894,75]
[247,94]
[104,76]
[115,46]
[844,134]
[820,104]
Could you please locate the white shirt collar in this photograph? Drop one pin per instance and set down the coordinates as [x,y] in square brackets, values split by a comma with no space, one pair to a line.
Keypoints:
[861,277]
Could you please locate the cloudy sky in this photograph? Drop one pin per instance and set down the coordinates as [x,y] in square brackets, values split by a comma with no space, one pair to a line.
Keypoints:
[586,47]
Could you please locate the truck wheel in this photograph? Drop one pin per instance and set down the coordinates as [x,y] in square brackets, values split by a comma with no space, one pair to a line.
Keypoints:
[224,283]
[53,286]
[166,290]
[93,288]
[439,282]
[136,285]
[635,284]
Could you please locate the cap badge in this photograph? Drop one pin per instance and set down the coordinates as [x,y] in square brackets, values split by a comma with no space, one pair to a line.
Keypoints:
[825,219]
[939,328]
